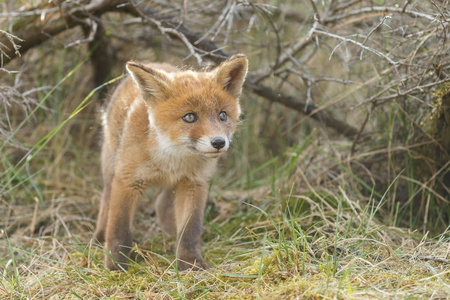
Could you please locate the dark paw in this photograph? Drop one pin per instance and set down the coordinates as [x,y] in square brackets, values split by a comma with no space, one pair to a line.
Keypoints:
[118,256]
[113,264]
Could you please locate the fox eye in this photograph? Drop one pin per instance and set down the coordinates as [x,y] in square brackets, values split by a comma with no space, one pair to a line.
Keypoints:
[190,118]
[223,116]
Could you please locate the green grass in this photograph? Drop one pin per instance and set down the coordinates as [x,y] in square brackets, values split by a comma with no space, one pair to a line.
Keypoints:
[270,254]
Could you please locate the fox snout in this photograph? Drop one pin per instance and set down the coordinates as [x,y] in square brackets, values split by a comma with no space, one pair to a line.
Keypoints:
[218,142]
[211,146]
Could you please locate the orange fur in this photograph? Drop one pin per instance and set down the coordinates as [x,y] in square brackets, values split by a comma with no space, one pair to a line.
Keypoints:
[165,127]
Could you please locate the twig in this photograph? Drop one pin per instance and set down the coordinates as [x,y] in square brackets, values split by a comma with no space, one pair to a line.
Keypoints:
[182,37]
[406,5]
[443,19]
[361,129]
[358,44]
[288,53]
[31,34]
[33,220]
[93,25]
[316,12]
[294,103]
[36,12]
[228,19]
[371,32]
[220,20]
[8,71]
[277,35]
[427,258]
[385,9]
[11,38]
[419,88]
[211,50]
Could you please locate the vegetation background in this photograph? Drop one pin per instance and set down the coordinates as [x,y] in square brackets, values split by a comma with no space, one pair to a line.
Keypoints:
[337,185]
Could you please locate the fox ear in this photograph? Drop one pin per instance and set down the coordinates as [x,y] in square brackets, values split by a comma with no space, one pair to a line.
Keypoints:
[230,74]
[152,83]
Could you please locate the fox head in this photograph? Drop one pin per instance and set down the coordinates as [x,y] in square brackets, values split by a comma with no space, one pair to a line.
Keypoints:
[195,112]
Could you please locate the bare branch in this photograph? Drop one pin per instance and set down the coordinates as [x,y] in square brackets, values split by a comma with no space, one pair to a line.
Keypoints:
[225,12]
[173,32]
[6,51]
[375,51]
[420,88]
[93,25]
[252,81]
[32,34]
[383,9]
[300,106]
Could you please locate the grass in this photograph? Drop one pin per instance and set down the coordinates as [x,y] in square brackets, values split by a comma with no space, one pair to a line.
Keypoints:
[269,233]
[266,236]
[255,253]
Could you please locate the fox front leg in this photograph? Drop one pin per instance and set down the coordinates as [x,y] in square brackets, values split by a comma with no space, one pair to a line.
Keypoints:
[123,202]
[190,201]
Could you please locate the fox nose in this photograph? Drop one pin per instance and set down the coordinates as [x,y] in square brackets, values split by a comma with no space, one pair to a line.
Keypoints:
[218,143]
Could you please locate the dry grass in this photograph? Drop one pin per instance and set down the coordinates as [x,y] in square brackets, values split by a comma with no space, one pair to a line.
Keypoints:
[285,237]
[332,252]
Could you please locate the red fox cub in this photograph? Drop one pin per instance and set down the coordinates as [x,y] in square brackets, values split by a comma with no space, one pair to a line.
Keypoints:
[165,127]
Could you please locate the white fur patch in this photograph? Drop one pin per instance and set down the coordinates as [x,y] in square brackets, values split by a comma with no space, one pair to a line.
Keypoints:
[104,121]
[132,76]
[132,108]
[176,161]
[151,118]
[168,74]
[192,73]
[204,145]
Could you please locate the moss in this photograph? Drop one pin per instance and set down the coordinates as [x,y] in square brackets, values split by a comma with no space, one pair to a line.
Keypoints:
[438,122]
[429,160]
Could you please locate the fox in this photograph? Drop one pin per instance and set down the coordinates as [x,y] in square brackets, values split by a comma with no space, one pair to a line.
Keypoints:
[165,127]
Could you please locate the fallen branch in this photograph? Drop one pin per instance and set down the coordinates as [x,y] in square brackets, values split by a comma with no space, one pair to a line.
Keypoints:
[36,31]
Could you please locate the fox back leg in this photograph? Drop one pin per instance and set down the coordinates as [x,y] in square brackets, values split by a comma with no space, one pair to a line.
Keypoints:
[102,219]
[108,174]
[180,213]
[165,210]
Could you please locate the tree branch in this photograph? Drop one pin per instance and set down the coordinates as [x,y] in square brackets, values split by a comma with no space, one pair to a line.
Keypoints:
[302,107]
[217,55]
[32,34]
[35,31]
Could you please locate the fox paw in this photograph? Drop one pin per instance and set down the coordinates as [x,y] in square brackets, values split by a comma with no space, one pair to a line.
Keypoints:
[196,265]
